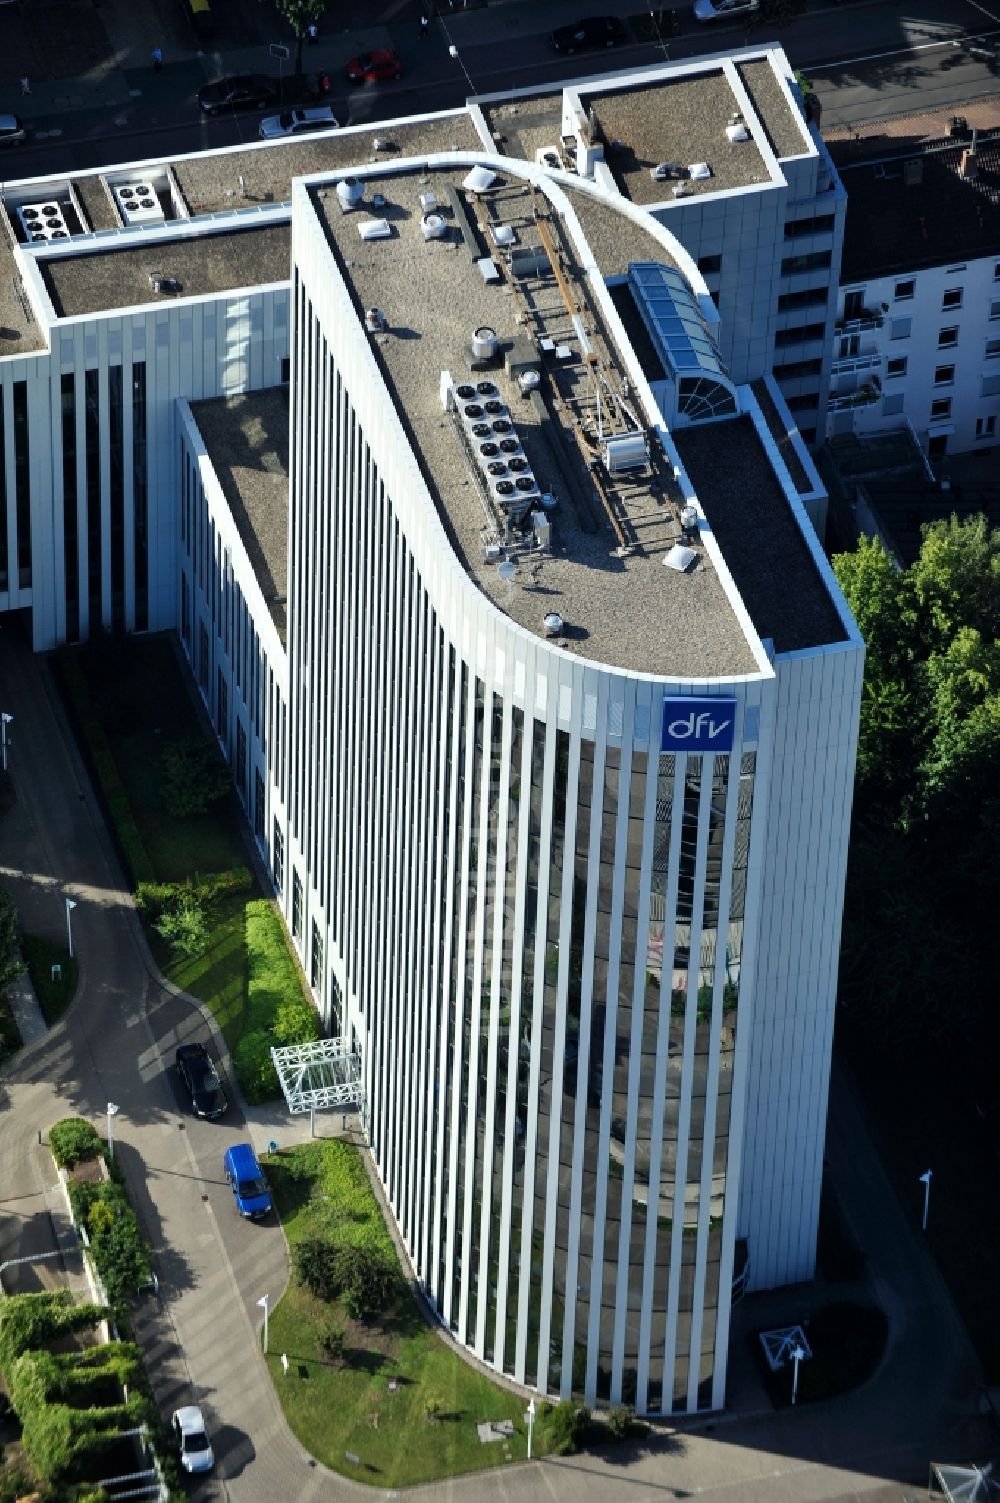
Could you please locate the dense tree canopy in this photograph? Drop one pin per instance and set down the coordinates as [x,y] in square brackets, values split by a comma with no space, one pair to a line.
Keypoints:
[300,14]
[922,884]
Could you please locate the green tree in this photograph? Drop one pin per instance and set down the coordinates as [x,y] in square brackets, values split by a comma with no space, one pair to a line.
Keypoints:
[300,14]
[11,964]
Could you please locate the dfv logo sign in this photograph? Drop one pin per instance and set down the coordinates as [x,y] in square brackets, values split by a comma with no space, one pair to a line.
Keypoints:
[698,725]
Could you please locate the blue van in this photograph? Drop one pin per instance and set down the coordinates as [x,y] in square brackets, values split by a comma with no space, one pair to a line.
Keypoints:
[247,1182]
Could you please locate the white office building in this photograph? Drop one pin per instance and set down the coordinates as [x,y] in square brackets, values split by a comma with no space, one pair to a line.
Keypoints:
[540,694]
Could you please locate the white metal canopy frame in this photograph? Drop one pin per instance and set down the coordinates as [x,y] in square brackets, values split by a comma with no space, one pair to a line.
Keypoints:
[965,1484]
[320,1074]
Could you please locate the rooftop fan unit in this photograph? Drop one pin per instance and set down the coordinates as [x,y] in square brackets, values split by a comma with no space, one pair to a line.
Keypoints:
[138,203]
[43,221]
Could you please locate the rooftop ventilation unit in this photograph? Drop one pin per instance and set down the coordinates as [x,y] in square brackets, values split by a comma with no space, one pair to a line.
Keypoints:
[689,519]
[375,321]
[737,131]
[665,172]
[374,229]
[699,171]
[626,453]
[350,192]
[43,221]
[433,227]
[552,624]
[549,156]
[478,180]
[138,203]
[680,558]
[168,286]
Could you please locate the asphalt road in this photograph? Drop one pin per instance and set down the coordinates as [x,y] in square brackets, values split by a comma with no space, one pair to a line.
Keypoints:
[867,60]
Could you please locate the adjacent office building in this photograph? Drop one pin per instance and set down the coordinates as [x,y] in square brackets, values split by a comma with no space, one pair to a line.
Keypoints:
[489,541]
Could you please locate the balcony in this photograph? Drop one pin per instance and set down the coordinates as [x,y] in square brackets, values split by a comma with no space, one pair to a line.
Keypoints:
[870,360]
[863,396]
[870,318]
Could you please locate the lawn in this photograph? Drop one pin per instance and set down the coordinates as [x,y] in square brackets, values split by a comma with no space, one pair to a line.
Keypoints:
[139,699]
[348,1406]
[54,993]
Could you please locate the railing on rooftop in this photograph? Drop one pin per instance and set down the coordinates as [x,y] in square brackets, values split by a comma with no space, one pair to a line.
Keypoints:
[848,365]
[863,396]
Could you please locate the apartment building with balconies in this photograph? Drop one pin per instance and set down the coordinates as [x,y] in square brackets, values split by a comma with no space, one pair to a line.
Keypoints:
[916,344]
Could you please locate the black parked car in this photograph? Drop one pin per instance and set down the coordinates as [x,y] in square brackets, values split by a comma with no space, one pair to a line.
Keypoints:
[202,1080]
[591,31]
[239,91]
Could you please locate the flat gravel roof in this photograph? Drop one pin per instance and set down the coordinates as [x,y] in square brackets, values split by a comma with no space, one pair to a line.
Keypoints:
[760,539]
[784,127]
[118,275]
[629,611]
[682,120]
[247,442]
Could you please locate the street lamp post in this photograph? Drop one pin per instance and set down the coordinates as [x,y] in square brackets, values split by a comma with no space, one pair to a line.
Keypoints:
[797,1355]
[113,1111]
[262,1302]
[925,1180]
[531,1423]
[70,905]
[5,721]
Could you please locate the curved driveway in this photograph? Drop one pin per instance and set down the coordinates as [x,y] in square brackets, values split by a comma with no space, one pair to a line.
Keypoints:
[200,1336]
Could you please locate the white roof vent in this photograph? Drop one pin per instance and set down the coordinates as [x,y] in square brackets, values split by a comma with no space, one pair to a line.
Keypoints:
[478,180]
[375,321]
[374,229]
[737,131]
[350,192]
[553,624]
[433,227]
[689,517]
[680,558]
[484,342]
[527,381]
[503,234]
[699,171]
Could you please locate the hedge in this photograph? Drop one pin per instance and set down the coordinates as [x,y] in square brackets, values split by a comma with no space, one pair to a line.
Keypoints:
[105,769]
[154,898]
[74,1140]
[29,1321]
[117,1245]
[278,1010]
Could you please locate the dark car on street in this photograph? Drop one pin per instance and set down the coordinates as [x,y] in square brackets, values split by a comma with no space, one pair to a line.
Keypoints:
[591,31]
[238,91]
[195,1067]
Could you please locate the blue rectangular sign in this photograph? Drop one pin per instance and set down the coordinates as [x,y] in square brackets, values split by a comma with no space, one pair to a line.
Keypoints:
[695,725]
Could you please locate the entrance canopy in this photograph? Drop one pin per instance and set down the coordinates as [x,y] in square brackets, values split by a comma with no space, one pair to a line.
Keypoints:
[323,1073]
[965,1484]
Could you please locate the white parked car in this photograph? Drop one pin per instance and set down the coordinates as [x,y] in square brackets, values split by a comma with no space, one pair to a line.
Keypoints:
[298,122]
[723,10]
[188,1428]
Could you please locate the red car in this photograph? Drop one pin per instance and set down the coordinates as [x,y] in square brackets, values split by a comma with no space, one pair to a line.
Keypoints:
[369,67]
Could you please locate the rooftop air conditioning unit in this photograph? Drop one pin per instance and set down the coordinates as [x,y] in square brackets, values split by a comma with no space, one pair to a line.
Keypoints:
[43,221]
[138,203]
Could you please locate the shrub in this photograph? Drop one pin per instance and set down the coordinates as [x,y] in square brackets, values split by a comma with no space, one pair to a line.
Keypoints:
[315,1261]
[194,776]
[11,964]
[117,1245]
[183,925]
[332,1342]
[619,1423]
[73,1140]
[567,1426]
[295,1022]
[370,1280]
[10,1034]
[254,1067]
